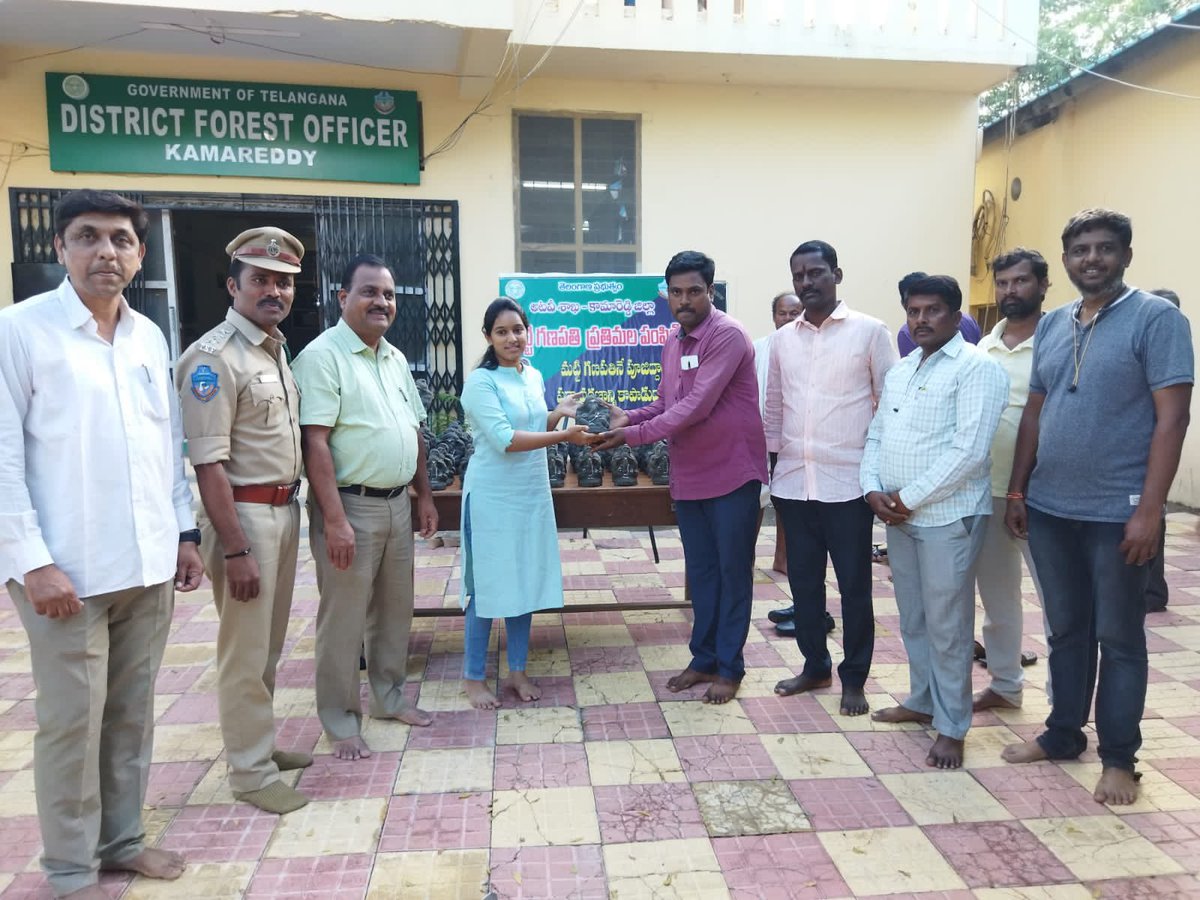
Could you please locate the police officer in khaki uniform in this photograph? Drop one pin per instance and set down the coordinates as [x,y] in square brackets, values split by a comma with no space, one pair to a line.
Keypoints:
[241,416]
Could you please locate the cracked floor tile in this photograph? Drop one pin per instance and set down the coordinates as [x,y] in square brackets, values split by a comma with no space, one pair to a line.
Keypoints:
[688,718]
[544,817]
[685,869]
[633,762]
[1101,847]
[740,808]
[814,756]
[937,797]
[887,861]
[531,725]
[429,875]
[608,688]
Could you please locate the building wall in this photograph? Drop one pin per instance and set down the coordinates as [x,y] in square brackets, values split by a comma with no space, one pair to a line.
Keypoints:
[1129,150]
[744,174]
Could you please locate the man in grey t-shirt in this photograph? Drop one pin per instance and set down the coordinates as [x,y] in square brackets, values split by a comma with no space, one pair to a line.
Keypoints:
[1097,449]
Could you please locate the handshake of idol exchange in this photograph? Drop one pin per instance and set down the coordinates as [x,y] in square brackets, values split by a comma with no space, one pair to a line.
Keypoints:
[596,444]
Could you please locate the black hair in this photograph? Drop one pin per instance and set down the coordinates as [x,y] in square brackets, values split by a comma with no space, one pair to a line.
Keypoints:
[1091,219]
[368,260]
[904,285]
[827,252]
[692,261]
[79,203]
[778,297]
[942,286]
[1167,294]
[1018,255]
[497,306]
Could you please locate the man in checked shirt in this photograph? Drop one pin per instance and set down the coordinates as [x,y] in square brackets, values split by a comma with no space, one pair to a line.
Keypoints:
[925,475]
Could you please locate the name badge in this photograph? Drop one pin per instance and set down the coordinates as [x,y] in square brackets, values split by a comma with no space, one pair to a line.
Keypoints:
[268,378]
[689,362]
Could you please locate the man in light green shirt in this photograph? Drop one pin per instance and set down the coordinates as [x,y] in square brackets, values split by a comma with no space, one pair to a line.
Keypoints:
[1021,278]
[359,421]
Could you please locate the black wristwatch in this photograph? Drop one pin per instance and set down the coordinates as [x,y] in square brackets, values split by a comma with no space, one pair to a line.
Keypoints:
[190,537]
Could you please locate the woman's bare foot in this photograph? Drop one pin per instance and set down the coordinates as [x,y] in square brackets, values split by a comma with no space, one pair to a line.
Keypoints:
[779,564]
[689,677]
[525,689]
[479,694]
[946,753]
[1024,752]
[1117,786]
[351,748]
[722,690]
[801,684]
[896,714]
[854,702]
[152,863]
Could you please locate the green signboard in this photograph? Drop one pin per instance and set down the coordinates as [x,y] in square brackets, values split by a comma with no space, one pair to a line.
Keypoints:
[112,123]
[602,334]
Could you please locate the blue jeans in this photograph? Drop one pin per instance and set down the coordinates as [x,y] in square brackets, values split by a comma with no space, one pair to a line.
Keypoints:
[1094,602]
[477,631]
[840,532]
[718,536]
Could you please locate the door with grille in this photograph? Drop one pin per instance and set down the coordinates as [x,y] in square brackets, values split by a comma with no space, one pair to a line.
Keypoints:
[419,240]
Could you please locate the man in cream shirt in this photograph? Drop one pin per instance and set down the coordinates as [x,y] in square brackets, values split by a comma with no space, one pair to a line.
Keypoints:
[1022,279]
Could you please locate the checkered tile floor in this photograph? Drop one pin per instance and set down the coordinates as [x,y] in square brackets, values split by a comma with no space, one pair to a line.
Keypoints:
[612,787]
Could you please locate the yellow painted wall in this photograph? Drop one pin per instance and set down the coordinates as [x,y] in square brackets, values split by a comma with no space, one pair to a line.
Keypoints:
[743,174]
[1129,150]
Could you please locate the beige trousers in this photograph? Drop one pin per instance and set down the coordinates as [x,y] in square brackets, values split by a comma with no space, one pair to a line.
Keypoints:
[94,674]
[369,604]
[251,637]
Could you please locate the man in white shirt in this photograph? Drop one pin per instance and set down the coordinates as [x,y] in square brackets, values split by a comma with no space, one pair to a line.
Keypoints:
[785,308]
[826,375]
[96,534]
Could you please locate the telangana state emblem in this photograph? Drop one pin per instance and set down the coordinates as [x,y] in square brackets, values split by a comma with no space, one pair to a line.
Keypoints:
[385,103]
[272,248]
[204,384]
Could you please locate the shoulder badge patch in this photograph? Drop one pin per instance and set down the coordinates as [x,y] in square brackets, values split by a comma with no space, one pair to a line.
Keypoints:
[204,384]
[215,341]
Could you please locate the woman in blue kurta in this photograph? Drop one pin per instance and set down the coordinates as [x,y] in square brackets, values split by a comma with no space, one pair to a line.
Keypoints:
[511,565]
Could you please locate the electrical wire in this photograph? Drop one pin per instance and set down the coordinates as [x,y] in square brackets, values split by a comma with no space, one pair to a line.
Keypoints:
[1078,66]
[490,99]
[107,40]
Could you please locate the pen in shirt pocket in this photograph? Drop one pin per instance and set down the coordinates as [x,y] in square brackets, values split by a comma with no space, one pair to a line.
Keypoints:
[146,369]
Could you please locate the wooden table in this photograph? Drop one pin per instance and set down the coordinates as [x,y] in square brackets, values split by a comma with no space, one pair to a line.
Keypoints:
[607,506]
[643,505]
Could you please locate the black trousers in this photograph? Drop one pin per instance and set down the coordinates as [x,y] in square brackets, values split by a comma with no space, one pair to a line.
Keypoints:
[840,532]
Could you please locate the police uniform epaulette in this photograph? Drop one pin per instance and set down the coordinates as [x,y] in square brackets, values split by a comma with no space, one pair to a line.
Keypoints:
[215,340]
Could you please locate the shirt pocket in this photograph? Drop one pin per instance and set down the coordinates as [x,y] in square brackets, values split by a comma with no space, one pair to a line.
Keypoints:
[270,401]
[935,409]
[152,396]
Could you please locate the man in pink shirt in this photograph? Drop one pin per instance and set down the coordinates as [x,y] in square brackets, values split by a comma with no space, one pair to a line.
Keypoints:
[707,409]
[823,384]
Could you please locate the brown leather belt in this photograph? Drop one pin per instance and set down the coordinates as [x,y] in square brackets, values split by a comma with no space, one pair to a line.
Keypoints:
[272,494]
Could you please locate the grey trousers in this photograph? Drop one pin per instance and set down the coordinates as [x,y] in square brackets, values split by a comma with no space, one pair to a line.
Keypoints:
[369,604]
[94,674]
[998,578]
[933,572]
